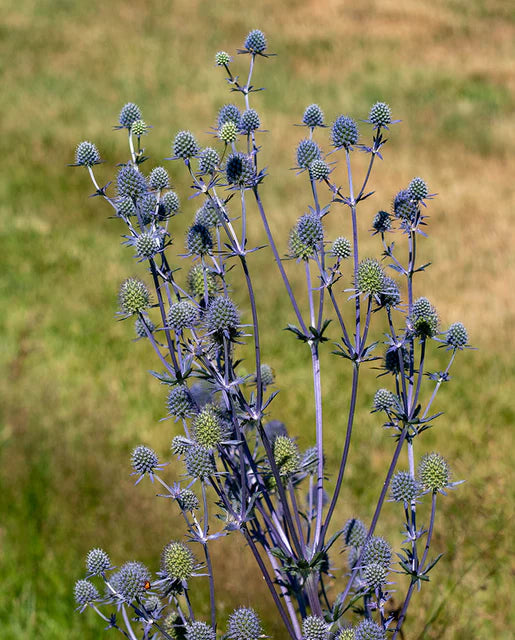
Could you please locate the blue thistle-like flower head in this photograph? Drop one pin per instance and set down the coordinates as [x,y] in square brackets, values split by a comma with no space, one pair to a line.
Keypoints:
[182,315]
[228,132]
[314,628]
[126,207]
[222,58]
[187,500]
[159,179]
[310,230]
[391,360]
[239,169]
[370,277]
[222,317]
[208,161]
[144,460]
[199,462]
[299,249]
[417,189]
[313,116]
[286,455]
[170,203]
[86,154]
[342,248]
[380,115]
[255,42]
[377,550]
[369,630]
[208,428]
[384,400]
[424,319]
[382,222]
[180,445]
[249,121]
[129,114]
[177,561]
[354,532]
[185,145]
[139,128]
[147,244]
[344,132]
[229,113]
[456,336]
[244,624]
[179,402]
[130,182]
[307,151]
[209,214]
[201,280]
[97,562]
[141,325]
[131,581]
[404,487]
[198,240]
[134,296]
[433,472]
[404,207]
[85,593]
[147,207]
[390,296]
[375,575]
[319,170]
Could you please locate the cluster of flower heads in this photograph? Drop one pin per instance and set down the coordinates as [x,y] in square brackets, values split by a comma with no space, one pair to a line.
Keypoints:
[201,325]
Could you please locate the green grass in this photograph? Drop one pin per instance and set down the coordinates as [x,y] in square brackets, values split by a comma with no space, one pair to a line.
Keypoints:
[76,395]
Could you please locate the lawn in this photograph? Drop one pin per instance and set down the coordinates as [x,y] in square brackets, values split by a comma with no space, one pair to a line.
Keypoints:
[76,395]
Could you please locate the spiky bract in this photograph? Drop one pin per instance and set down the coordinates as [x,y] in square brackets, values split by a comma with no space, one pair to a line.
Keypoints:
[370,277]
[131,580]
[344,132]
[134,296]
[380,114]
[87,154]
[129,114]
[369,630]
[185,145]
[313,116]
[144,459]
[377,550]
[177,561]
[354,532]
[130,182]
[159,179]
[404,487]
[97,562]
[199,462]
[424,319]
[286,455]
[307,151]
[255,42]
[433,472]
[244,624]
[314,628]
[179,401]
[456,336]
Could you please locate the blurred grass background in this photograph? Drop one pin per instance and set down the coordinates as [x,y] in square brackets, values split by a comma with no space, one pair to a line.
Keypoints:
[75,392]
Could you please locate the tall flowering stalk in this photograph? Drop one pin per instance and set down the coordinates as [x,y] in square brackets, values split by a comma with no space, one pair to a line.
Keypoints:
[229,443]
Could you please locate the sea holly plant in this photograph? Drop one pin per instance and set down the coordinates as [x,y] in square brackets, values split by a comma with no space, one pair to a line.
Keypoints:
[226,442]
